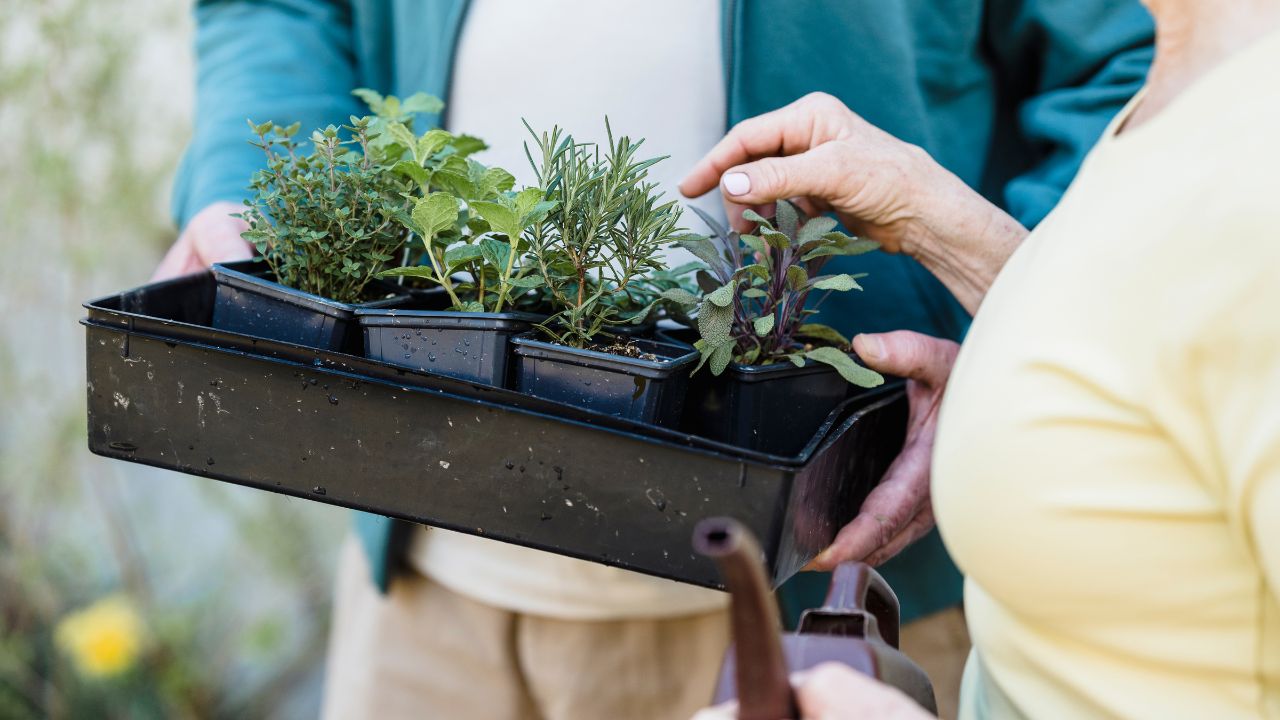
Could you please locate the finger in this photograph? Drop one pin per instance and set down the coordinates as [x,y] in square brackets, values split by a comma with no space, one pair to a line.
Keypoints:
[174,262]
[908,354]
[791,129]
[819,173]
[832,691]
[226,245]
[890,508]
[918,527]
[724,711]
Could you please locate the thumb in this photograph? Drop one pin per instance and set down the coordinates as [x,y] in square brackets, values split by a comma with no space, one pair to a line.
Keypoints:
[908,354]
[812,174]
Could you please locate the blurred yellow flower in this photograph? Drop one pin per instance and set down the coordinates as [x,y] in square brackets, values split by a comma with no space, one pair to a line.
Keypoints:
[103,639]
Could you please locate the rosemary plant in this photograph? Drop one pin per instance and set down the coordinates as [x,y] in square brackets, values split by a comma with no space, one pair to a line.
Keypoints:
[755,310]
[602,236]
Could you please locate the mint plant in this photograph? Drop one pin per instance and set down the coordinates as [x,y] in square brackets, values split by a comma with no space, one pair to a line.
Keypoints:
[467,224]
[602,235]
[328,219]
[757,287]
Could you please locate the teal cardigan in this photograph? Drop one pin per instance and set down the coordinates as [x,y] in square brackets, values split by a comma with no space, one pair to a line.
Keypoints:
[1007,94]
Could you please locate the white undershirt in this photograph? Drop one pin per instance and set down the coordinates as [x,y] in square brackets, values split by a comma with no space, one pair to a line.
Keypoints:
[655,69]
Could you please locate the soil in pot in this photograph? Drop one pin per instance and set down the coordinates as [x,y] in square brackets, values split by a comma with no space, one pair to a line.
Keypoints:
[250,302]
[468,346]
[649,387]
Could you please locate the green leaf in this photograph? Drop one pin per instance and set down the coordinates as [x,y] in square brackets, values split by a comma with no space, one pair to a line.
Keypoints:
[459,254]
[465,145]
[755,244]
[796,277]
[413,171]
[816,228]
[706,251]
[721,357]
[796,359]
[528,281]
[679,295]
[715,324]
[472,306]
[495,252]
[527,201]
[497,180]
[825,333]
[763,325]
[754,293]
[786,218]
[501,218]
[416,271]
[755,269]
[431,142]
[841,244]
[434,213]
[372,98]
[840,283]
[849,370]
[755,217]
[723,295]
[402,135]
[422,103]
[775,238]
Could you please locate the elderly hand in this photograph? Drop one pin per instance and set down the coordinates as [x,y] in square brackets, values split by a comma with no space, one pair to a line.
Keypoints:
[834,692]
[898,512]
[828,158]
[211,236]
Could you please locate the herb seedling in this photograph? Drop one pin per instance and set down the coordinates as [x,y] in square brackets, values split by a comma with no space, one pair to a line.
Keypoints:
[601,237]
[757,286]
[326,221]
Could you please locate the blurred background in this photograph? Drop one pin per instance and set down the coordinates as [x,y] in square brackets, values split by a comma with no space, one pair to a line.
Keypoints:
[124,591]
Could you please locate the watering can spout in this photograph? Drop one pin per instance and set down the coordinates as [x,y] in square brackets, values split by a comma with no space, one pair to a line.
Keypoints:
[762,678]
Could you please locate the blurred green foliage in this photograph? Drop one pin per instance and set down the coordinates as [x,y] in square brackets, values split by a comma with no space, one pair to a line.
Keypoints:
[232,587]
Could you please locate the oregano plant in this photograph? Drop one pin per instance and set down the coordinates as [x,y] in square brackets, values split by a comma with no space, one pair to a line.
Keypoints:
[326,219]
[603,235]
[756,287]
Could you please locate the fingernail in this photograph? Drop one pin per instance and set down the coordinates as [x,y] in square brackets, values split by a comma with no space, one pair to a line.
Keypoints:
[736,183]
[871,347]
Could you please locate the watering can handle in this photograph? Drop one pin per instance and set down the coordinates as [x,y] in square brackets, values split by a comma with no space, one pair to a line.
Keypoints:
[857,589]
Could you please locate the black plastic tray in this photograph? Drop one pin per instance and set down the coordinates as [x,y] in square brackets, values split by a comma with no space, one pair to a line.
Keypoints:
[165,390]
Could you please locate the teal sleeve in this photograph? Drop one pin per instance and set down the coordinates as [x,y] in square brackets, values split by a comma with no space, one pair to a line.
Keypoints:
[278,60]
[1072,65]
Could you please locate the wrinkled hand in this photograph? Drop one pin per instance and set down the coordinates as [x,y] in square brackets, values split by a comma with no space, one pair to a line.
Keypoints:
[211,236]
[826,158]
[819,151]
[834,692]
[898,512]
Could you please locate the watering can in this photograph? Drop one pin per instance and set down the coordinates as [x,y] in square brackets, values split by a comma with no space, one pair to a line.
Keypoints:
[856,626]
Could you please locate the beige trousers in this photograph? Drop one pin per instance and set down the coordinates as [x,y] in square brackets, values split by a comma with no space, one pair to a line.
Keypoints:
[939,644]
[426,652]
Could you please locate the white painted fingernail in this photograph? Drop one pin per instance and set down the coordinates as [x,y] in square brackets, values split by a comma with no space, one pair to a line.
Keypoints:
[736,183]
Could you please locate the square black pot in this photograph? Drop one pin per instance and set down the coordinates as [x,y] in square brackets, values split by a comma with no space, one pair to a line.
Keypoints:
[249,302]
[771,408]
[650,391]
[468,346]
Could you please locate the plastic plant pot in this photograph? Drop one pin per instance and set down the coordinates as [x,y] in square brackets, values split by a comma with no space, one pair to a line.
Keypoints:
[770,408]
[250,303]
[467,346]
[645,390]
